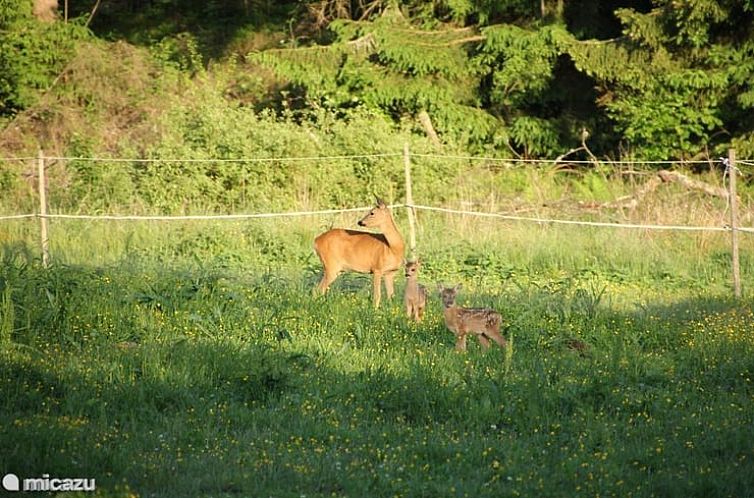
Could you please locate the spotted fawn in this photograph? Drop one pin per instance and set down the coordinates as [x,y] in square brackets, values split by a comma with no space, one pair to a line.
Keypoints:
[484,323]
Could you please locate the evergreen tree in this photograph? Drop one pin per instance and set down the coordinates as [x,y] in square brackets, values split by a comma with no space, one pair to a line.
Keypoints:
[679,79]
[389,65]
[674,83]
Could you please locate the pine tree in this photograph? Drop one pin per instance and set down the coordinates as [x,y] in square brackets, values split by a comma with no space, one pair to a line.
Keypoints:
[670,79]
[390,65]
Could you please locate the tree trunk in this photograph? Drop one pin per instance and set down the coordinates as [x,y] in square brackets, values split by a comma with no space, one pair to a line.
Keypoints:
[45,10]
[426,123]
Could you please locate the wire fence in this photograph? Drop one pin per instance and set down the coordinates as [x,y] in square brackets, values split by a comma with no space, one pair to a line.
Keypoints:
[113,217]
[417,207]
[378,155]
[729,164]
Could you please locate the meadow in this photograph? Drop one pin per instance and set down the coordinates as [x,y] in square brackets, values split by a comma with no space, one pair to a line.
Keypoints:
[191,359]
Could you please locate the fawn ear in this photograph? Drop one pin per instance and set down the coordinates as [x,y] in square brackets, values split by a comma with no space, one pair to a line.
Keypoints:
[380,202]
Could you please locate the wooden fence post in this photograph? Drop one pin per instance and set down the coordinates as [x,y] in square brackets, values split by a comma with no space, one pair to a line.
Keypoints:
[733,204]
[410,203]
[43,209]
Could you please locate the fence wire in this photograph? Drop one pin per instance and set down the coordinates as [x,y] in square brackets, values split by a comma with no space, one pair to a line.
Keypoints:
[418,207]
[243,216]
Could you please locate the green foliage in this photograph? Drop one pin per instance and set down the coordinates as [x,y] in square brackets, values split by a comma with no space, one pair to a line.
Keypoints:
[666,85]
[179,52]
[664,80]
[390,66]
[690,21]
[674,116]
[211,24]
[247,175]
[32,54]
[484,12]
[536,137]
[94,186]
[521,62]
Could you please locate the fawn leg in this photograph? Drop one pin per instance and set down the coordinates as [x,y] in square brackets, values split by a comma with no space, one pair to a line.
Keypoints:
[483,341]
[461,342]
[495,336]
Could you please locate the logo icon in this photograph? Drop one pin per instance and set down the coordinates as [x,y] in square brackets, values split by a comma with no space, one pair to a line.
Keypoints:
[11,482]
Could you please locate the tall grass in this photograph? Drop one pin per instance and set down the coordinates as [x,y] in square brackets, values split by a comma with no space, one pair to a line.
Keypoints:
[192,360]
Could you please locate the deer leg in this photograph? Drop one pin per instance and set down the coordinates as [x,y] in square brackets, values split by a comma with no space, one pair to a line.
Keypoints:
[483,341]
[461,342]
[389,287]
[327,279]
[495,336]
[377,288]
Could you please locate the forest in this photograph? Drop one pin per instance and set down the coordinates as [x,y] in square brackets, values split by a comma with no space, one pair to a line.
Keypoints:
[616,79]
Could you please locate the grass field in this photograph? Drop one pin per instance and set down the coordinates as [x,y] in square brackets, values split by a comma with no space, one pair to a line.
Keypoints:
[192,360]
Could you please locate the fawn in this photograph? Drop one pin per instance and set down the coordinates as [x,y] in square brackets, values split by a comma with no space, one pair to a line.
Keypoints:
[380,254]
[482,322]
[415,297]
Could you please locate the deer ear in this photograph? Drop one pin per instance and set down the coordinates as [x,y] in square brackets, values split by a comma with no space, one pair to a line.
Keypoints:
[458,286]
[380,202]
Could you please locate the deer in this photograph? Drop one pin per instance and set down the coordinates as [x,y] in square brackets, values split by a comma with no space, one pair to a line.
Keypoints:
[380,254]
[482,322]
[415,297]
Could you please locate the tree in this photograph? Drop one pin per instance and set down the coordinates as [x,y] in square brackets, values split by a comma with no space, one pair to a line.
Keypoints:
[389,65]
[678,79]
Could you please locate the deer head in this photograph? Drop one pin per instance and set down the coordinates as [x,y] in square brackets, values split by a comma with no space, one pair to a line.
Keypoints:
[377,216]
[448,295]
[412,268]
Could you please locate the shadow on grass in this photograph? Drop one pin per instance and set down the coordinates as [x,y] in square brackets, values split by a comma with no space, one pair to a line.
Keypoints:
[666,391]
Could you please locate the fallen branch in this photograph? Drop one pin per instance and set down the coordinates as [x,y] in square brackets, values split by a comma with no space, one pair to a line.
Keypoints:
[691,184]
[662,177]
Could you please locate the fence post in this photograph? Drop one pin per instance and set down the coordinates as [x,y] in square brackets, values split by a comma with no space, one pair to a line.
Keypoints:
[733,204]
[43,209]
[410,203]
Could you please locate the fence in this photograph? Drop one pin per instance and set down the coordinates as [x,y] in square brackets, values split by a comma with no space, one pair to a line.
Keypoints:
[731,172]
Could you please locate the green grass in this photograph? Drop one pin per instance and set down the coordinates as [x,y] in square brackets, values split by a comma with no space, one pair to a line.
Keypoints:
[192,360]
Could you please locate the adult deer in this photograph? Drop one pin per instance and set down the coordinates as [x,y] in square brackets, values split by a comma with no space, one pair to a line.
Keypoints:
[380,254]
